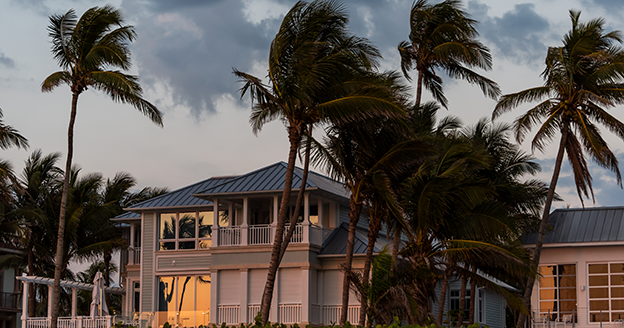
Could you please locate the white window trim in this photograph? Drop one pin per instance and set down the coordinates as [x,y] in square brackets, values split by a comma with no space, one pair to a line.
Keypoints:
[608,286]
[176,233]
[539,287]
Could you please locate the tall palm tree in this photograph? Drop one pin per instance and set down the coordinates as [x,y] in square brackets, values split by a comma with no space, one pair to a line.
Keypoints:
[10,137]
[312,59]
[583,77]
[442,36]
[87,49]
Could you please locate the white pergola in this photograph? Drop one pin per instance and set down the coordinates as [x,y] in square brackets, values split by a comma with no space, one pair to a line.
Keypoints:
[68,322]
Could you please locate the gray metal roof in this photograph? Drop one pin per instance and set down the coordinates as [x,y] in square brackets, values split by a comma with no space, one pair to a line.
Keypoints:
[336,242]
[127,215]
[599,224]
[271,178]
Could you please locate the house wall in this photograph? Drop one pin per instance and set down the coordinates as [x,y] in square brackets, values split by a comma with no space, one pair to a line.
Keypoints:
[148,244]
[581,255]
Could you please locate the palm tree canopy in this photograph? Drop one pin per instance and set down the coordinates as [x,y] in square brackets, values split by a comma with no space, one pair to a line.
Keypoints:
[582,79]
[89,49]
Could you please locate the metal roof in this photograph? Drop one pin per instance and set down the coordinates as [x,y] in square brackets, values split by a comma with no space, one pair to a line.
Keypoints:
[68,284]
[271,178]
[126,216]
[336,242]
[599,224]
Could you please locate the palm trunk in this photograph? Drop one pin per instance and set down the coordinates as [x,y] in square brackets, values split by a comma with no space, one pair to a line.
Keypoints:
[419,86]
[442,300]
[60,241]
[373,233]
[462,301]
[528,289]
[473,295]
[31,287]
[294,137]
[396,245]
[107,261]
[355,208]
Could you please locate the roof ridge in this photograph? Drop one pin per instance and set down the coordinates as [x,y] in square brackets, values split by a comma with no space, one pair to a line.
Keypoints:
[177,190]
[245,175]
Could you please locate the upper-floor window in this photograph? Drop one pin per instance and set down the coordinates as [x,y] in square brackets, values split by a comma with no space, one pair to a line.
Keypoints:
[606,292]
[185,230]
[557,291]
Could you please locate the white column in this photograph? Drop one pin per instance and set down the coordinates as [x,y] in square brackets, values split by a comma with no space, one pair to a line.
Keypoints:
[131,258]
[74,302]
[273,314]
[319,205]
[244,285]
[305,296]
[214,297]
[215,225]
[319,295]
[244,226]
[275,210]
[231,217]
[50,297]
[306,219]
[24,302]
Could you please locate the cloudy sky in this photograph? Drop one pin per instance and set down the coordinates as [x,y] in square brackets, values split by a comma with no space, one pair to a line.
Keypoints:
[184,55]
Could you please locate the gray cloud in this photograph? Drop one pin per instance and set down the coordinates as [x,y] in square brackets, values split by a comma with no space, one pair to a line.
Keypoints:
[6,61]
[517,35]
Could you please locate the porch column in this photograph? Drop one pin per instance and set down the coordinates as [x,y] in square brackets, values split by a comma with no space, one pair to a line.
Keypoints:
[50,297]
[215,224]
[214,306]
[24,302]
[319,205]
[319,295]
[275,217]
[231,217]
[74,303]
[244,226]
[244,284]
[273,314]
[306,219]
[131,258]
[305,296]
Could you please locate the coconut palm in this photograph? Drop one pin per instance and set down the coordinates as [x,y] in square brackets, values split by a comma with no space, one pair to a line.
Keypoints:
[582,79]
[87,49]
[443,37]
[10,137]
[313,63]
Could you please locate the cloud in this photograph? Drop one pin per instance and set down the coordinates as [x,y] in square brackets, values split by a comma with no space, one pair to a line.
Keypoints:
[517,35]
[6,61]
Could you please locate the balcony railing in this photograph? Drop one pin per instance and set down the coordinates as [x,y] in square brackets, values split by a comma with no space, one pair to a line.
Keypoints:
[134,255]
[72,322]
[331,314]
[264,235]
[260,235]
[10,301]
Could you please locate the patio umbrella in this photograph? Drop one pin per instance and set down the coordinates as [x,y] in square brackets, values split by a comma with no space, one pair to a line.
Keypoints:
[98,305]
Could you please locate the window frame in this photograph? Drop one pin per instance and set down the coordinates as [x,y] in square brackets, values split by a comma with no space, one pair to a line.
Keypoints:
[177,240]
[609,299]
[558,313]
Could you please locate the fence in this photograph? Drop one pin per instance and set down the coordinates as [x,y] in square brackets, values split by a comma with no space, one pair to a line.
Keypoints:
[230,236]
[331,314]
[289,313]
[228,314]
[260,235]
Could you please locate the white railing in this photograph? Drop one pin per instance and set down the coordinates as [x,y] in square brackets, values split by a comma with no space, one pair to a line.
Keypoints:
[228,314]
[289,313]
[315,314]
[331,314]
[316,235]
[67,322]
[72,322]
[230,236]
[252,312]
[37,323]
[297,236]
[134,255]
[260,234]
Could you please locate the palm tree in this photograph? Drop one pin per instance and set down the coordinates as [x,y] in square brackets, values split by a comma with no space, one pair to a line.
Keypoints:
[582,79]
[86,49]
[443,37]
[10,137]
[316,70]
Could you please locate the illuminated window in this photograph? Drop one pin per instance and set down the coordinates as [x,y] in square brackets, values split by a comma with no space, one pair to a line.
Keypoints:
[557,290]
[185,230]
[606,292]
[183,301]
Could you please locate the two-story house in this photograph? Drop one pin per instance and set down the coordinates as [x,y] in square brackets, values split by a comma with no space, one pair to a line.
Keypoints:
[10,293]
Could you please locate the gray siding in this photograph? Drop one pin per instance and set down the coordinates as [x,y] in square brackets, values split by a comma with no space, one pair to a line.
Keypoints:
[183,262]
[494,309]
[147,262]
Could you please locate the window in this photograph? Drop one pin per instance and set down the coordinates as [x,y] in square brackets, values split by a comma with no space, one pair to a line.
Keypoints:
[194,230]
[183,301]
[557,290]
[137,296]
[606,292]
[455,300]
[481,306]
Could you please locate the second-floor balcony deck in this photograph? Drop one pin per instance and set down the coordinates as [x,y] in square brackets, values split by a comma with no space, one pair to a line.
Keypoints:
[10,302]
[264,234]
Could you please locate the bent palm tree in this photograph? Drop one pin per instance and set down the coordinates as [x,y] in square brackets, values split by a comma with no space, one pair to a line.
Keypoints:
[582,78]
[85,49]
[443,37]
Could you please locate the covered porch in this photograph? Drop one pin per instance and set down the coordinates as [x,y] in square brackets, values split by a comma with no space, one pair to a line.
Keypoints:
[74,321]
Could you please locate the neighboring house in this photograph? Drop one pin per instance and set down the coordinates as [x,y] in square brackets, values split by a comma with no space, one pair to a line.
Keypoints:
[188,269]
[10,294]
[581,268]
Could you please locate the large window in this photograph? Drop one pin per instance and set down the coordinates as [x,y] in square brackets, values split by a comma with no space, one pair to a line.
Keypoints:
[185,230]
[557,290]
[606,292]
[455,300]
[183,301]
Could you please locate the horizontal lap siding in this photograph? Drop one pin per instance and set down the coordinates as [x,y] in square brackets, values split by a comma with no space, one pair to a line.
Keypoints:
[147,279]
[183,262]
[229,287]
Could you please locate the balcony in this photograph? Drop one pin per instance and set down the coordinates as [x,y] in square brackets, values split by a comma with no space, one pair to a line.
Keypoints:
[134,255]
[264,234]
[10,302]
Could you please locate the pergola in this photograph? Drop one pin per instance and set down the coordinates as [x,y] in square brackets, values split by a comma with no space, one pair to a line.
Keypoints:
[74,286]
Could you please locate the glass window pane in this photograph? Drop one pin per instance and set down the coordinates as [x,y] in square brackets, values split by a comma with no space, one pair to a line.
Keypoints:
[567,306]
[166,300]
[548,270]
[187,225]
[599,305]
[186,301]
[167,226]
[203,300]
[567,269]
[165,246]
[548,294]
[617,280]
[186,244]
[205,222]
[548,282]
[598,268]
[598,293]
[617,267]
[617,316]
[205,243]
[598,280]
[567,281]
[567,293]
[595,317]
[617,291]
[617,304]
[546,306]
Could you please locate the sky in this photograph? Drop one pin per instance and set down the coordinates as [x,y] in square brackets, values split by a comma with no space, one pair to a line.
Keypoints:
[184,55]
